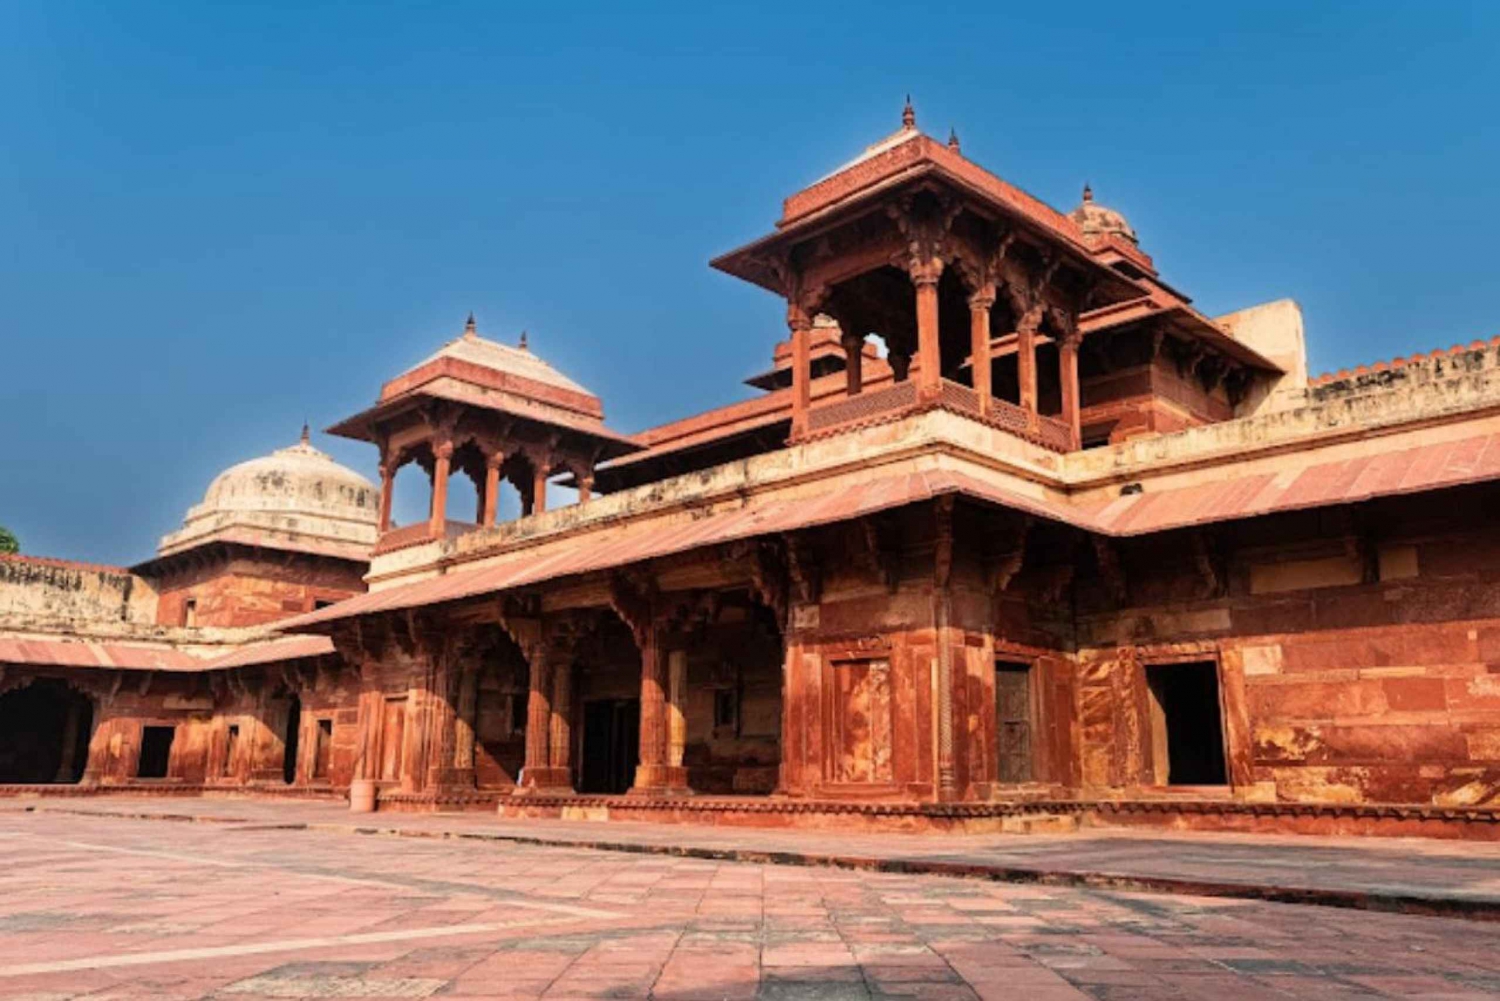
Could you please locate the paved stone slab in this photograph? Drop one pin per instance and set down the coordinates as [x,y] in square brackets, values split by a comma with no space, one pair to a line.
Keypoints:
[104,908]
[1408,874]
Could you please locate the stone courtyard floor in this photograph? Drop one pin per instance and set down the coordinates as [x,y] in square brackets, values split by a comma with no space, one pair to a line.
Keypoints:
[243,907]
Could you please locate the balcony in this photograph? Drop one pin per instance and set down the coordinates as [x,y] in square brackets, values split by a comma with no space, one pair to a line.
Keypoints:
[891,402]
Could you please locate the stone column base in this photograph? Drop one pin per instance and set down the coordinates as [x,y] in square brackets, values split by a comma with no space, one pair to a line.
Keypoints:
[545,780]
[660,780]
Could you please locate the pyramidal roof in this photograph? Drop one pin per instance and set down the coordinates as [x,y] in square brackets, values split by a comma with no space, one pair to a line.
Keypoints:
[518,361]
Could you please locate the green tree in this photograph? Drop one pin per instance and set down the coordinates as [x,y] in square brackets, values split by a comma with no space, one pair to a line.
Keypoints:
[8,543]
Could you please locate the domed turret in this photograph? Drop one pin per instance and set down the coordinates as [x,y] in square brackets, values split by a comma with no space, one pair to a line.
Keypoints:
[1098,221]
[296,499]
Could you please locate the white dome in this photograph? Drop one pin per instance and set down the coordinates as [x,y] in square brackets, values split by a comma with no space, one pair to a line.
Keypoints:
[296,498]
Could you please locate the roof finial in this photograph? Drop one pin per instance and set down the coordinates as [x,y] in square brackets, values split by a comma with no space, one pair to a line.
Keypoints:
[306,433]
[953,139]
[523,340]
[908,115]
[1088,192]
[470,328]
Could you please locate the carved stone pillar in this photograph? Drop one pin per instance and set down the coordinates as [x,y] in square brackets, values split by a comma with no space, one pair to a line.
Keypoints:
[1067,365]
[854,362]
[586,487]
[491,498]
[561,733]
[656,775]
[676,707]
[441,468]
[542,469]
[387,487]
[942,615]
[929,345]
[538,773]
[1026,360]
[801,327]
[468,703]
[979,347]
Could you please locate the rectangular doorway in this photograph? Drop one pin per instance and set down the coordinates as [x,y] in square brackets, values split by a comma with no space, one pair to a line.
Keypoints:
[611,745]
[323,751]
[156,752]
[1013,721]
[1187,726]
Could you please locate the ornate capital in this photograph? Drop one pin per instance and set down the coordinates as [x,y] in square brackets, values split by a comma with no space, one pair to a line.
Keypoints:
[984,298]
[928,271]
[443,448]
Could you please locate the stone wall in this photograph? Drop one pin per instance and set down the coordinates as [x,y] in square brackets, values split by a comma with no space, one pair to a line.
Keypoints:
[62,590]
[248,590]
[1357,652]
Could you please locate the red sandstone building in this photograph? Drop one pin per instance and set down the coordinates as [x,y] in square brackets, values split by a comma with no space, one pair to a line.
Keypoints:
[1012,532]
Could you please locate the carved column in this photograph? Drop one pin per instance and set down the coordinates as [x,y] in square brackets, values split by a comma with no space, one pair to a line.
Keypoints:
[979,347]
[1026,359]
[542,468]
[801,327]
[387,487]
[1067,363]
[586,487]
[942,614]
[561,733]
[468,704]
[538,720]
[854,362]
[491,498]
[676,707]
[650,774]
[441,468]
[925,277]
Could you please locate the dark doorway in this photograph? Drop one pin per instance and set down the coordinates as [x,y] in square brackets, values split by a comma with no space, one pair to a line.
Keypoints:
[1187,729]
[293,733]
[323,756]
[1013,721]
[156,752]
[611,745]
[231,748]
[44,733]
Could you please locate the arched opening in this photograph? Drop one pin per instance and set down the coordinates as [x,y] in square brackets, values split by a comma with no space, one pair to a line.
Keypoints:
[291,740]
[44,733]
[411,497]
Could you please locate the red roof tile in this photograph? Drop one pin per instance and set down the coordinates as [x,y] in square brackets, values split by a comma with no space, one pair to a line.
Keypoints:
[43,652]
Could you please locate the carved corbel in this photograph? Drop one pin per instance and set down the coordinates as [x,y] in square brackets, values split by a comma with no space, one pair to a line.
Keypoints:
[804,572]
[1055,583]
[144,687]
[878,549]
[114,687]
[768,572]
[1107,556]
[520,617]
[1008,559]
[634,602]
[1210,565]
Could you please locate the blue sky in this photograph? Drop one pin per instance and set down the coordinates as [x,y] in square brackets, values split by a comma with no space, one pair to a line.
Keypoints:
[218,219]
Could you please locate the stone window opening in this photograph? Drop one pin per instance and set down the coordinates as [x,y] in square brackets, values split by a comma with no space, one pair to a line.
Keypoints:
[293,738]
[190,612]
[1187,724]
[156,752]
